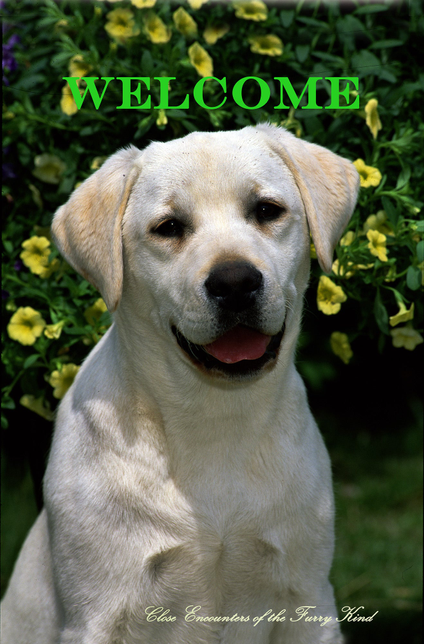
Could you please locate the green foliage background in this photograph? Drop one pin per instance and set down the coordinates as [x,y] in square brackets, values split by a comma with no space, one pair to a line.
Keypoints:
[378,43]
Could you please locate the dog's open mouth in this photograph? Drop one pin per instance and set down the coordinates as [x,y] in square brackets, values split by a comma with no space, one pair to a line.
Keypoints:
[240,351]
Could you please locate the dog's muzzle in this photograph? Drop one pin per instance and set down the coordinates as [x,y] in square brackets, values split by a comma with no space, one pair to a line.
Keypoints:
[233,288]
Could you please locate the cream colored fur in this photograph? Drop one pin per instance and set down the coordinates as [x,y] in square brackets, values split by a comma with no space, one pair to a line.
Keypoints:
[168,486]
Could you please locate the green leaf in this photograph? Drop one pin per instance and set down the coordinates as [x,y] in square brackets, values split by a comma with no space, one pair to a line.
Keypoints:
[420,251]
[286,18]
[381,315]
[391,212]
[372,8]
[30,360]
[420,227]
[302,52]
[403,178]
[413,278]
[383,44]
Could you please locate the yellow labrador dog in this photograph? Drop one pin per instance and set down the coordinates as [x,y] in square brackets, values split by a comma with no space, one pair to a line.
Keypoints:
[188,495]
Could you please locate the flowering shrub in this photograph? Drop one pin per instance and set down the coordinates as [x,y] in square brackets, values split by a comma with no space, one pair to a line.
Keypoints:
[52,316]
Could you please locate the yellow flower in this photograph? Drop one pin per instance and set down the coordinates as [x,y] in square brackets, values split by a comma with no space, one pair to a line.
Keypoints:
[95,312]
[341,271]
[266,45]
[26,325]
[67,102]
[378,222]
[121,25]
[200,60]
[196,4]
[97,162]
[329,296]
[161,119]
[313,251]
[213,33]
[184,22]
[340,346]
[251,10]
[406,337]
[372,118]
[36,256]
[403,315]
[347,239]
[37,405]
[36,195]
[48,168]
[143,4]
[53,331]
[377,244]
[368,175]
[77,66]
[156,29]
[63,379]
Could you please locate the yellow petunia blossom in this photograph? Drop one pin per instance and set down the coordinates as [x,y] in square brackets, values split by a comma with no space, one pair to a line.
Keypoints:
[342,271]
[347,239]
[54,331]
[213,33]
[97,162]
[377,244]
[155,29]
[406,337]
[63,379]
[36,256]
[162,118]
[67,102]
[372,118]
[403,315]
[200,60]
[48,168]
[143,4]
[196,4]
[26,325]
[329,296]
[37,405]
[340,346]
[120,25]
[368,175]
[378,222]
[251,10]
[77,66]
[269,45]
[95,312]
[184,22]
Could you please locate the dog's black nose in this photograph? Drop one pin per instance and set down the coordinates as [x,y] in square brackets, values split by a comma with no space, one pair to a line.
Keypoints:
[233,285]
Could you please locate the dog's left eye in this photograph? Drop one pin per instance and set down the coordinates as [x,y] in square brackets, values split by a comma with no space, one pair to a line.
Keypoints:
[170,228]
[266,211]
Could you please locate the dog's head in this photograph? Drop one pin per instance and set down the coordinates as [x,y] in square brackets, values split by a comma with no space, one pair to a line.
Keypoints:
[207,238]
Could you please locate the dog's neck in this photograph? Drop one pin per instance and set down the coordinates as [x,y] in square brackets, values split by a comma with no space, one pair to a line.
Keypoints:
[194,408]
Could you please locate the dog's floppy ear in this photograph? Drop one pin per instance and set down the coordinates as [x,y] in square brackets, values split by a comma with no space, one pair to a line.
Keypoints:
[87,229]
[328,185]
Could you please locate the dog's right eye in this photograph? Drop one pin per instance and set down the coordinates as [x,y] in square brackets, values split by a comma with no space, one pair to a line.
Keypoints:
[170,228]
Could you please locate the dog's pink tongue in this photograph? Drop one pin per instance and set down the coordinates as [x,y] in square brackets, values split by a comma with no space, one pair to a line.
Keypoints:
[240,343]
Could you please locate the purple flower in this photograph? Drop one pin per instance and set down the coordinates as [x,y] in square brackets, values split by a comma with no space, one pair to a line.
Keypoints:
[18,265]
[9,63]
[4,294]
